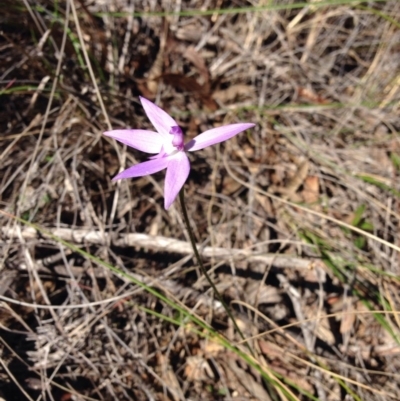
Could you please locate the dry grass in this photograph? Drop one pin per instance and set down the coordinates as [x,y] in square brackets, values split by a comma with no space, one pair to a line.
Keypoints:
[304,209]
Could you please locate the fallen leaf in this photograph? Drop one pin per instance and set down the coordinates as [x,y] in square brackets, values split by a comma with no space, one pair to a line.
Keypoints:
[234,92]
[194,57]
[348,317]
[156,68]
[169,377]
[311,96]
[197,369]
[310,191]
[190,84]
[212,348]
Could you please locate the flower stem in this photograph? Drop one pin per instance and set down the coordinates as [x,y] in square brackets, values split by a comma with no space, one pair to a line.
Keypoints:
[203,269]
[268,383]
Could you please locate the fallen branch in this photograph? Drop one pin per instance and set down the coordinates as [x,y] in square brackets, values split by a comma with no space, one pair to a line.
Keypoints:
[160,244]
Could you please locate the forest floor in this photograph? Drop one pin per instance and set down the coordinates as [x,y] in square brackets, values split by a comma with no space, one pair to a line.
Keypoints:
[297,219]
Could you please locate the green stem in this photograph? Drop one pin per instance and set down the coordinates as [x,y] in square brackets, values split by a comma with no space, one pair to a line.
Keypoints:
[204,271]
[268,381]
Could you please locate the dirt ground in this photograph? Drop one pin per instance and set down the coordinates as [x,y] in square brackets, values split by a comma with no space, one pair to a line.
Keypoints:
[297,220]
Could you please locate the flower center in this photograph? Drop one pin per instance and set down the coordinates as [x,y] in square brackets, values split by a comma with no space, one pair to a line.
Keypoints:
[177,140]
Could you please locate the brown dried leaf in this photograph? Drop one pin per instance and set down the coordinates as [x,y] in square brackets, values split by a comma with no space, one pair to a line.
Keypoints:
[194,57]
[234,92]
[290,189]
[230,186]
[169,377]
[270,350]
[322,327]
[190,84]
[311,96]
[254,291]
[144,89]
[197,369]
[348,317]
[310,191]
[248,382]
[190,33]
[156,69]
[301,174]
[182,82]
[212,348]
[265,203]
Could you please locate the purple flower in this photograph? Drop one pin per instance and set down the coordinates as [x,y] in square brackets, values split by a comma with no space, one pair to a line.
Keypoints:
[168,146]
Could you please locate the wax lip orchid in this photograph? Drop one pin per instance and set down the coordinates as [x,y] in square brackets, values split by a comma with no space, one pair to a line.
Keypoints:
[168,146]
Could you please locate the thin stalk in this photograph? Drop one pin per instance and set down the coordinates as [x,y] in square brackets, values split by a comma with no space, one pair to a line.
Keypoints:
[203,269]
[268,382]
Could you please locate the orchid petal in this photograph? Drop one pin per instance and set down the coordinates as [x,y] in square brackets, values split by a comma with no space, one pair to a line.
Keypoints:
[145,141]
[177,173]
[162,153]
[145,168]
[161,120]
[216,135]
